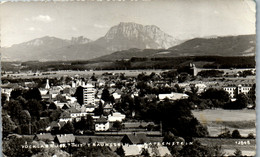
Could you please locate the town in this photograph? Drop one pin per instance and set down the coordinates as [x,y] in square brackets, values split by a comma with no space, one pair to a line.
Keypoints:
[140,113]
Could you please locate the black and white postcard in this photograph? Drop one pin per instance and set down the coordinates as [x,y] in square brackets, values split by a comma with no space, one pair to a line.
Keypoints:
[128,78]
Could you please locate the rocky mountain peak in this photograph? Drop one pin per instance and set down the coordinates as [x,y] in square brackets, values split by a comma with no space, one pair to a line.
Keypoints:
[149,36]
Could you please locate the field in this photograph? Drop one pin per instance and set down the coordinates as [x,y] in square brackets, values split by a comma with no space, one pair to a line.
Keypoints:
[247,146]
[218,120]
[56,74]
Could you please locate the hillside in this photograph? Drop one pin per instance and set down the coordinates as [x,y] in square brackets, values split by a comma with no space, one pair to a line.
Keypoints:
[244,45]
[120,37]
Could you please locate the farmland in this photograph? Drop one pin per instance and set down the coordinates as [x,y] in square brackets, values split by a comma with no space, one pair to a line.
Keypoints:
[217,120]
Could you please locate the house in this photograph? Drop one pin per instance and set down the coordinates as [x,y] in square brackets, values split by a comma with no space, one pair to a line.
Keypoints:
[117,116]
[132,150]
[43,137]
[53,126]
[233,90]
[65,117]
[201,87]
[101,124]
[173,96]
[89,108]
[74,113]
[134,138]
[108,107]
[64,139]
[117,94]
[159,151]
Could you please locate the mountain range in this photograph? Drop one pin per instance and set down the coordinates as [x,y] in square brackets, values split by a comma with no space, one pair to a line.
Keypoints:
[127,40]
[242,45]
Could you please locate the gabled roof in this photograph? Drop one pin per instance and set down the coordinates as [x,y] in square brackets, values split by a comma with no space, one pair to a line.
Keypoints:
[46,136]
[134,138]
[132,150]
[65,114]
[73,110]
[108,106]
[101,120]
[159,151]
[55,124]
[66,138]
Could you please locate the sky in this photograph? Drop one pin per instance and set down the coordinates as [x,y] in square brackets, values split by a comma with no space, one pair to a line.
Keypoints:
[182,19]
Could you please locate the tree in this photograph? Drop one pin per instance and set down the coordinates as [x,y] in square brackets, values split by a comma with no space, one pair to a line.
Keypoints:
[14,109]
[61,98]
[3,98]
[236,134]
[100,110]
[8,125]
[35,108]
[52,106]
[68,128]
[210,73]
[145,152]
[13,147]
[196,150]
[79,95]
[33,93]
[225,134]
[93,77]
[105,95]
[98,151]
[55,114]
[16,93]
[242,100]
[120,151]
[117,125]
[251,136]
[238,153]
[25,117]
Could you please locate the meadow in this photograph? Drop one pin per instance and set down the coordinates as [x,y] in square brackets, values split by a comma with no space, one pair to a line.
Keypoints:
[218,120]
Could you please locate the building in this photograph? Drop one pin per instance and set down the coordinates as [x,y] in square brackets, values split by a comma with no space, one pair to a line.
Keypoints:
[101,124]
[117,116]
[159,151]
[88,94]
[231,90]
[132,150]
[47,86]
[173,96]
[135,138]
[65,117]
[193,69]
[64,139]
[44,137]
[234,90]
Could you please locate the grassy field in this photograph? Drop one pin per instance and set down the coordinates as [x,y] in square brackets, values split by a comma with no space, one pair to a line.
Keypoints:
[230,145]
[54,74]
[217,120]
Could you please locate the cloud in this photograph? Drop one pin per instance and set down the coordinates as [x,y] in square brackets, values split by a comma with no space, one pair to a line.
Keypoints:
[216,12]
[33,29]
[100,26]
[74,29]
[41,18]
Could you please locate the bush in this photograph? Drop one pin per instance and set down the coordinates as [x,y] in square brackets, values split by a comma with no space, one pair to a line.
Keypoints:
[251,136]
[236,134]
[226,134]
[238,153]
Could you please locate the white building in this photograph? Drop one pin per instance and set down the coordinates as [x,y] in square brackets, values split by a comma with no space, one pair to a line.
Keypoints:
[173,96]
[241,88]
[88,94]
[101,124]
[117,116]
[231,90]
